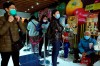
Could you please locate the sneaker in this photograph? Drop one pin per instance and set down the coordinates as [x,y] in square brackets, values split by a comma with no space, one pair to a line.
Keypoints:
[57,62]
[76,61]
[65,59]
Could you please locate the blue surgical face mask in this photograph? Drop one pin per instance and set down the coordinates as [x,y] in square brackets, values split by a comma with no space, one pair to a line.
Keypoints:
[57,16]
[13,12]
[86,37]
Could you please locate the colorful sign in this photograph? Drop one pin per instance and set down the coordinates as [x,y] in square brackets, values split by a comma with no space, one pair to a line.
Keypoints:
[91,24]
[95,6]
[73,22]
[89,7]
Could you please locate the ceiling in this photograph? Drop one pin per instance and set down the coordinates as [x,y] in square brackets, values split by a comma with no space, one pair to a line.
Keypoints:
[30,6]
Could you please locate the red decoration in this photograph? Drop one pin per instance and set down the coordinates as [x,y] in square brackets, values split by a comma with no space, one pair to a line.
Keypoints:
[97,1]
[81,20]
[78,10]
[82,14]
[85,60]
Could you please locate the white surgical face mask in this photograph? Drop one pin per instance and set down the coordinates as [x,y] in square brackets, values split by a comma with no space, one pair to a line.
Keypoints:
[44,20]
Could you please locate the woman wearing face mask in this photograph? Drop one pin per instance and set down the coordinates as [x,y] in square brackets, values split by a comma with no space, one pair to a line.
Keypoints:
[55,35]
[8,25]
[44,26]
[86,47]
[33,32]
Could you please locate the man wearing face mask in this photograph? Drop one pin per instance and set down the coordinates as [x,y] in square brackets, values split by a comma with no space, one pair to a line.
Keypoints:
[86,47]
[8,25]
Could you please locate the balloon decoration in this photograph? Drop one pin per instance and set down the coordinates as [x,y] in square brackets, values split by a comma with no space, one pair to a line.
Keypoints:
[62,21]
[78,10]
[36,14]
[82,14]
[73,5]
[61,8]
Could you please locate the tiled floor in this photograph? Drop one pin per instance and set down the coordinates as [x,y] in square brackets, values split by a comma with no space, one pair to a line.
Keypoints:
[60,60]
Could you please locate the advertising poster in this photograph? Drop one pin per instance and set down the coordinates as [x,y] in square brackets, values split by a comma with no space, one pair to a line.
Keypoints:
[91,24]
[73,22]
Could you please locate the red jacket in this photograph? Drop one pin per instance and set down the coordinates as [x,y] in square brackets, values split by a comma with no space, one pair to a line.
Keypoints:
[66,35]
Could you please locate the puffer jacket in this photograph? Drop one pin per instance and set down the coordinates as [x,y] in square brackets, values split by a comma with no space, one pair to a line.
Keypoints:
[53,35]
[5,40]
[84,45]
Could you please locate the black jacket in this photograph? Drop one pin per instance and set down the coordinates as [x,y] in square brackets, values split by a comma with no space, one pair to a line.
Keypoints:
[52,33]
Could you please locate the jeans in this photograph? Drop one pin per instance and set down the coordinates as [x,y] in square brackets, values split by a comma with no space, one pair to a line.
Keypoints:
[55,51]
[66,46]
[6,55]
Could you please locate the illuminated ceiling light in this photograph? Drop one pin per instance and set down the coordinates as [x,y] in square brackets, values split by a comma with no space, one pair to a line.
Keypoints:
[32,6]
[37,3]
[25,11]
[28,9]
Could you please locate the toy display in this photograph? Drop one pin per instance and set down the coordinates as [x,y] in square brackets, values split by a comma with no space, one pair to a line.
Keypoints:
[73,22]
[91,24]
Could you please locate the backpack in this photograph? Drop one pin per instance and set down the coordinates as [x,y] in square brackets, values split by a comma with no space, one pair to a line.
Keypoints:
[37,27]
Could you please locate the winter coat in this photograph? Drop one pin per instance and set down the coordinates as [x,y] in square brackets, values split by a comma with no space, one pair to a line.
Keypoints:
[52,33]
[84,45]
[32,29]
[5,40]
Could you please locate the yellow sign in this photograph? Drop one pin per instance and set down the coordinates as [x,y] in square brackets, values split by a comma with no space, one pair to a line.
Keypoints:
[95,6]
[89,7]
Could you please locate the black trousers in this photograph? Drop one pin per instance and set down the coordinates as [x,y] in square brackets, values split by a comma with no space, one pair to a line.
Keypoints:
[76,53]
[6,55]
[93,57]
[55,51]
[41,44]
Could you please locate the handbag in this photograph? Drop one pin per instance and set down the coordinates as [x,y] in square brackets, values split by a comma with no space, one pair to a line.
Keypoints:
[85,60]
[16,46]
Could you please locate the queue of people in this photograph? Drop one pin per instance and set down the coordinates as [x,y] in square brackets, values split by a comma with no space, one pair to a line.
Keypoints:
[53,30]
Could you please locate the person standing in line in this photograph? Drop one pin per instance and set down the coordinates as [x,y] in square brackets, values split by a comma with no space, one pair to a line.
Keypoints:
[8,24]
[32,31]
[44,26]
[55,35]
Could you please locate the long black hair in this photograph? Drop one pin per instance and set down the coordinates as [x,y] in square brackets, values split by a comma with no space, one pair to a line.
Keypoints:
[7,4]
[53,12]
[32,17]
[41,21]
